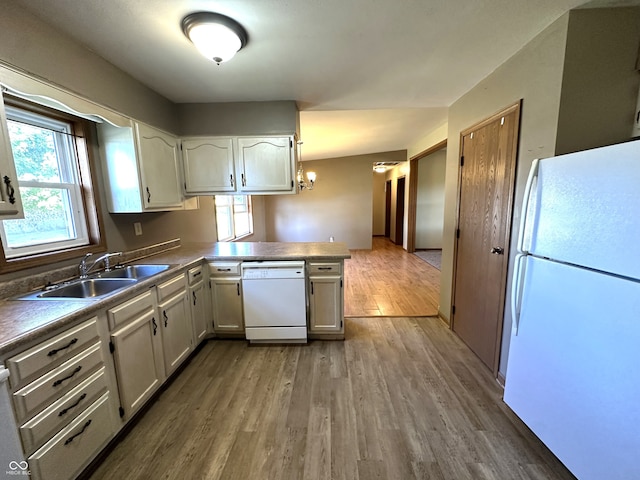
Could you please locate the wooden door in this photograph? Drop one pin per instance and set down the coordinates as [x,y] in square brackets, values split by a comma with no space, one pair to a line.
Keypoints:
[387,209]
[400,211]
[487,171]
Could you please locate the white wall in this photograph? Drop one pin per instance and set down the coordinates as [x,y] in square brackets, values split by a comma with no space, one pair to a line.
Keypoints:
[430,200]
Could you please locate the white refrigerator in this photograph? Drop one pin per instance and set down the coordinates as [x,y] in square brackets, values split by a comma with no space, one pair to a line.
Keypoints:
[573,373]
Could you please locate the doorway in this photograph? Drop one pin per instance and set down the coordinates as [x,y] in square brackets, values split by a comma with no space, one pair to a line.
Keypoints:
[399,227]
[486,179]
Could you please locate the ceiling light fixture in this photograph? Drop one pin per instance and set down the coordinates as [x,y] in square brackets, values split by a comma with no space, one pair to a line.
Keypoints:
[311,176]
[216,36]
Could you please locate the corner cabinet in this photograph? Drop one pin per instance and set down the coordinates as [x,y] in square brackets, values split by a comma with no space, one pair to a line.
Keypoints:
[142,168]
[245,165]
[326,300]
[10,202]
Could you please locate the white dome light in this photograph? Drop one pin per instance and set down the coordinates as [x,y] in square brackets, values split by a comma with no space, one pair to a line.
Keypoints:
[216,36]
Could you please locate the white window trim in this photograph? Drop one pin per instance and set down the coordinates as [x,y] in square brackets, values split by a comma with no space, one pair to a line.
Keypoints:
[72,185]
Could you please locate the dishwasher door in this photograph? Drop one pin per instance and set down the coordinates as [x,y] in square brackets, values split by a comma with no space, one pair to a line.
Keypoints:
[274,301]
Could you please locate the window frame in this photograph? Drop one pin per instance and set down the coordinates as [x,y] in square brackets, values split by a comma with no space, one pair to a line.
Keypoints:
[84,142]
[232,216]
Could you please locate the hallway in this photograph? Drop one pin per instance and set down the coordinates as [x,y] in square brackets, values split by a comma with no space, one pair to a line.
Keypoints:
[387,281]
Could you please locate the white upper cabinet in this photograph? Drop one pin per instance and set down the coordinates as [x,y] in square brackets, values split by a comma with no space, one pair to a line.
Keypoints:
[208,165]
[142,169]
[10,202]
[267,164]
[159,157]
[245,165]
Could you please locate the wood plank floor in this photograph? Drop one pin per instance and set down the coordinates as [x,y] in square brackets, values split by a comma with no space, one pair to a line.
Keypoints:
[388,281]
[400,398]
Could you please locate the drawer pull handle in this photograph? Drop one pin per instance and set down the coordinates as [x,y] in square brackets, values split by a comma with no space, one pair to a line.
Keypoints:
[224,269]
[84,427]
[325,268]
[148,195]
[194,297]
[56,350]
[155,325]
[59,381]
[166,319]
[238,288]
[197,274]
[311,288]
[65,410]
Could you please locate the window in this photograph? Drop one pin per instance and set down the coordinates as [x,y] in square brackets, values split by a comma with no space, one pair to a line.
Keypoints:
[234,218]
[52,165]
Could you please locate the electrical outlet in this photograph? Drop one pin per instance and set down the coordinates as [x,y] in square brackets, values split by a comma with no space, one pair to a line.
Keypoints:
[137,227]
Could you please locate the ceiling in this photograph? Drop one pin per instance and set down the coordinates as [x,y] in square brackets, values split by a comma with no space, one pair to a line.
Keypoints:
[368,75]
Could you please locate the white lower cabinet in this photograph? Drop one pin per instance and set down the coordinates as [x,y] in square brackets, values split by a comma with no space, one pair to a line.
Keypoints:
[226,298]
[199,304]
[63,396]
[177,339]
[326,299]
[69,451]
[136,348]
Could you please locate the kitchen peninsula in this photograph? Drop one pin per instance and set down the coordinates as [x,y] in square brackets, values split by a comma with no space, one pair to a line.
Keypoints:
[81,368]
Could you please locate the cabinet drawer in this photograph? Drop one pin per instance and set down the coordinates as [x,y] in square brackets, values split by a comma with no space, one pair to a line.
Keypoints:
[219,269]
[51,352]
[55,383]
[195,275]
[74,446]
[171,287]
[130,309]
[325,268]
[41,427]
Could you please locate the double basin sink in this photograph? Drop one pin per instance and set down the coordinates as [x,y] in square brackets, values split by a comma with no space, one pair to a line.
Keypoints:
[98,285]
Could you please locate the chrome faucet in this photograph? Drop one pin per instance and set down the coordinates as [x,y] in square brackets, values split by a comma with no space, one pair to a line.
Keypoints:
[84,269]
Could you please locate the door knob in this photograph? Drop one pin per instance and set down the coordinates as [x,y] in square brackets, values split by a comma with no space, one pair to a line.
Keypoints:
[497,250]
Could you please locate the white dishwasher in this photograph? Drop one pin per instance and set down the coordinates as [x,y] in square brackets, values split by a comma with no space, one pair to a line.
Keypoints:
[274,301]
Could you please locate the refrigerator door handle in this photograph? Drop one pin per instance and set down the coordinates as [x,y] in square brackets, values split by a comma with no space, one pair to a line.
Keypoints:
[516,292]
[533,174]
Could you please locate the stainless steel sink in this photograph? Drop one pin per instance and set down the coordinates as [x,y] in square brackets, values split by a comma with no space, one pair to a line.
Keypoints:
[90,288]
[136,272]
[97,286]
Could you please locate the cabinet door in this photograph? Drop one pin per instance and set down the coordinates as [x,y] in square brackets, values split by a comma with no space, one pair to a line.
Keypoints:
[226,301]
[158,154]
[208,165]
[137,372]
[199,310]
[10,202]
[325,303]
[177,338]
[266,164]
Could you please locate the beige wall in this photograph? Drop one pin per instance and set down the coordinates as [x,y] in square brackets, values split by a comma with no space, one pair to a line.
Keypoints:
[36,48]
[430,200]
[600,81]
[247,118]
[549,74]
[339,206]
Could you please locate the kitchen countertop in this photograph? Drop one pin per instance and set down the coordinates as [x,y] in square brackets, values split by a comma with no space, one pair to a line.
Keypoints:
[25,321]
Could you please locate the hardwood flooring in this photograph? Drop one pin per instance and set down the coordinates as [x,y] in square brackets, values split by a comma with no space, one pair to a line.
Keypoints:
[388,281]
[398,399]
